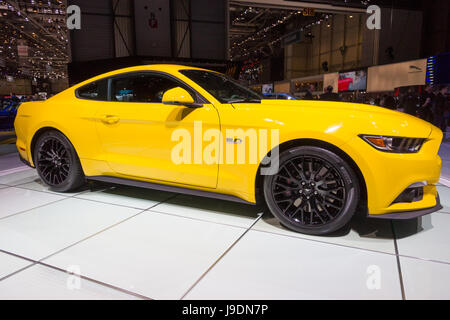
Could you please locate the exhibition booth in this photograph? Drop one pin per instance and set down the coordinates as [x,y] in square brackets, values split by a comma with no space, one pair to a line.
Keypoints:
[374,80]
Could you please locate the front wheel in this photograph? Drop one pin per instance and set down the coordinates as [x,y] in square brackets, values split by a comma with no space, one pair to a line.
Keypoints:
[57,162]
[314,192]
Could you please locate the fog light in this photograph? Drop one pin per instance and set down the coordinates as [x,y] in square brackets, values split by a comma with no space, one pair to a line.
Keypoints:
[410,195]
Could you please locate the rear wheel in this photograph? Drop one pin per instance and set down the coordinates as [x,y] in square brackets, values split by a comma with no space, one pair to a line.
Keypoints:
[314,192]
[57,162]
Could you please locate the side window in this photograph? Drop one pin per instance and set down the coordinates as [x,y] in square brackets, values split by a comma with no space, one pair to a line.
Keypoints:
[142,88]
[96,90]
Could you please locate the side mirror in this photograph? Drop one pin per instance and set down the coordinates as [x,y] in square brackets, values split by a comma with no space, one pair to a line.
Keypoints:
[179,97]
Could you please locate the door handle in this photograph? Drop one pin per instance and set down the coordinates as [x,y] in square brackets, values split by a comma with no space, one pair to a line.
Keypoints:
[110,119]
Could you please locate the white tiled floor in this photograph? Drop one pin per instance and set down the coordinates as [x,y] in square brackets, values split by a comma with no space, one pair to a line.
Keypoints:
[432,240]
[21,177]
[128,196]
[269,266]
[38,185]
[39,282]
[131,243]
[42,231]
[156,255]
[10,264]
[424,279]
[377,237]
[213,210]
[28,200]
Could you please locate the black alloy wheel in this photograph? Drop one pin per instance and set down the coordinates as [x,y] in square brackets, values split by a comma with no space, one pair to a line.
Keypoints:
[57,162]
[314,191]
[53,161]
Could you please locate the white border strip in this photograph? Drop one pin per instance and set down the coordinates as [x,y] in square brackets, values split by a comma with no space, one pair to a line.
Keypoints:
[19,169]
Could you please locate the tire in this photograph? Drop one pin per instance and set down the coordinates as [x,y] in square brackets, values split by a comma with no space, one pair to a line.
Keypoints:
[57,162]
[317,199]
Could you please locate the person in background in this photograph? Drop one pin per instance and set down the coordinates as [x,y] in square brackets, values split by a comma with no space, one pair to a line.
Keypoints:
[329,95]
[441,109]
[382,99]
[389,102]
[358,97]
[427,101]
[377,100]
[309,91]
[410,101]
[14,98]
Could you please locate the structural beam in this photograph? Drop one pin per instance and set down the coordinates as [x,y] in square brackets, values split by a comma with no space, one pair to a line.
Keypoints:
[295,5]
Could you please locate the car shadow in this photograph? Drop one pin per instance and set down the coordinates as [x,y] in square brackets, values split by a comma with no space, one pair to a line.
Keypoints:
[389,229]
[372,228]
[215,206]
[364,226]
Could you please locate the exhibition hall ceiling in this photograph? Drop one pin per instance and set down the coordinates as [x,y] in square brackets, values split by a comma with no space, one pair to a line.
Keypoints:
[257,32]
[34,40]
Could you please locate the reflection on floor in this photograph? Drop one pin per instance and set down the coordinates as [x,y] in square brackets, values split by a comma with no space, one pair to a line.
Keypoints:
[117,242]
[9,159]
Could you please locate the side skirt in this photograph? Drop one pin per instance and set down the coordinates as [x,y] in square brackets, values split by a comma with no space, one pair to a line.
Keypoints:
[168,188]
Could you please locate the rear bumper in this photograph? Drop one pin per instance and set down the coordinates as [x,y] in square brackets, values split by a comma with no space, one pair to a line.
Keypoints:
[409,214]
[25,161]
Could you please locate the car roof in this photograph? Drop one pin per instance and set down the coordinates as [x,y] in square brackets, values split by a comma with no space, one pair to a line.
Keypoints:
[158,67]
[169,68]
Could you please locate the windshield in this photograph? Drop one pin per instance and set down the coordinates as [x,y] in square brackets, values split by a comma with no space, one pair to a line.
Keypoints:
[222,88]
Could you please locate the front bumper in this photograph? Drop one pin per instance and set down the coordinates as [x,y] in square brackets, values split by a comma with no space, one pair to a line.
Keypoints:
[388,175]
[409,214]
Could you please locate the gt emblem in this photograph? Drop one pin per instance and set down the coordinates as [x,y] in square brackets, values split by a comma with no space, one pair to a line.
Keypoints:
[236,140]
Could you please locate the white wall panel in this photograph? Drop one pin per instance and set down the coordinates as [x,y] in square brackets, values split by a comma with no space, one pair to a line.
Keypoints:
[152,20]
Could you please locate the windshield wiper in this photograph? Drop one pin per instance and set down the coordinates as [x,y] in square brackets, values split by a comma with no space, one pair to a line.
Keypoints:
[244,100]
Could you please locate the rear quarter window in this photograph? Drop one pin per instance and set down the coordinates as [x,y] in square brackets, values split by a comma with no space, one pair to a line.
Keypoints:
[97,90]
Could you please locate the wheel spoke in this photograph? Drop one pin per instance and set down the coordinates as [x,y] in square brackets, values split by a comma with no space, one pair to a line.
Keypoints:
[284,185]
[299,172]
[289,172]
[296,211]
[289,205]
[332,196]
[327,212]
[332,205]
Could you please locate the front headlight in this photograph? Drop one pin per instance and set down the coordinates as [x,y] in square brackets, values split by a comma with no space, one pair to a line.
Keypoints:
[394,144]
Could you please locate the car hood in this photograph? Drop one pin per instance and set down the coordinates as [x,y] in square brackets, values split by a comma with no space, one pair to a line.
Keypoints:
[366,118]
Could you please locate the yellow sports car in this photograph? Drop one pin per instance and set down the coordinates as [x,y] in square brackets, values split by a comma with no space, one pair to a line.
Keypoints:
[195,131]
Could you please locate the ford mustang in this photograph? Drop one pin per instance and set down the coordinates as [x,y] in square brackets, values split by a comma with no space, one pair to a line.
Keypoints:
[194,131]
